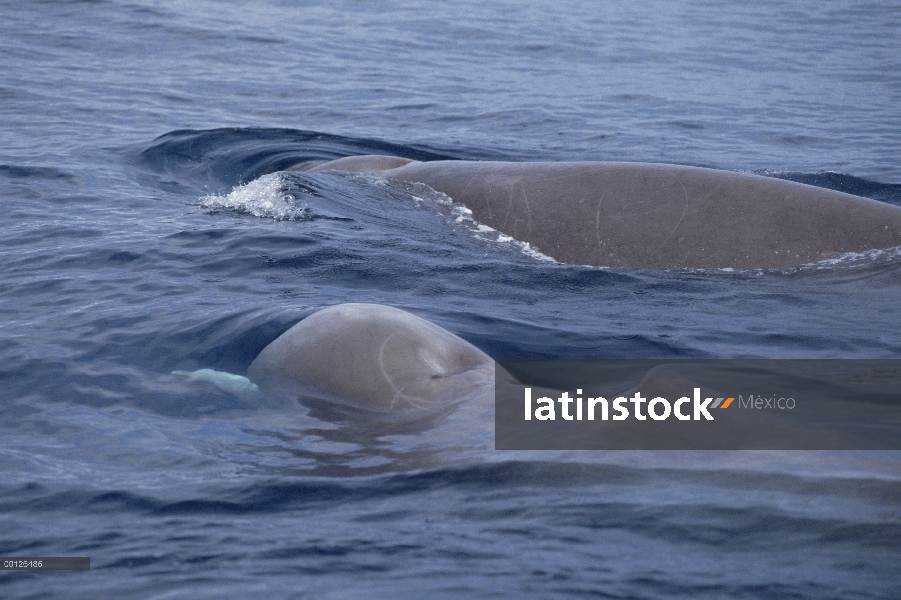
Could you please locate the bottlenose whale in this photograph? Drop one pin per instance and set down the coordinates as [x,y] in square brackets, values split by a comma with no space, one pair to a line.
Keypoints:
[648,215]
[382,367]
[372,357]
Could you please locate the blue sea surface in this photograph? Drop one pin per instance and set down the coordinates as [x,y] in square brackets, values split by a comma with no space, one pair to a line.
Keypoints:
[148,228]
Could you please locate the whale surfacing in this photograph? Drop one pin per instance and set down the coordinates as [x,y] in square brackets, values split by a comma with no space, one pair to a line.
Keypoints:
[374,357]
[648,215]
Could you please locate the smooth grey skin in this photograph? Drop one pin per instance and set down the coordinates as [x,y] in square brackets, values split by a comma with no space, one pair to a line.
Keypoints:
[648,215]
[372,356]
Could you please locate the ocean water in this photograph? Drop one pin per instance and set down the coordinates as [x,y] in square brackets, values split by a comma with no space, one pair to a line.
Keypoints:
[147,228]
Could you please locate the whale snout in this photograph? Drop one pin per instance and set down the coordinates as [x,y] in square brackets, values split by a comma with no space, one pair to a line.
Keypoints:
[373,357]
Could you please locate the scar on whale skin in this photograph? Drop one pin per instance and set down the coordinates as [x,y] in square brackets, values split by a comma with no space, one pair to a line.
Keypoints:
[648,215]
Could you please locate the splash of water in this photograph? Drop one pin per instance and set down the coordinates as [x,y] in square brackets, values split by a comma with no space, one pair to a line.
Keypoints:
[266,197]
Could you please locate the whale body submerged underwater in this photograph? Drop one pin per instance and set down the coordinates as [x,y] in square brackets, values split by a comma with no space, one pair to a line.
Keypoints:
[655,216]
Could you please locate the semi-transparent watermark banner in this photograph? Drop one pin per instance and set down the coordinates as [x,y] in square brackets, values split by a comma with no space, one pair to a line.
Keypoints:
[736,404]
[45,563]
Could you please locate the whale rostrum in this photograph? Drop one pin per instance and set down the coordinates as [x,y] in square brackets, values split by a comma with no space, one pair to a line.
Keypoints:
[374,357]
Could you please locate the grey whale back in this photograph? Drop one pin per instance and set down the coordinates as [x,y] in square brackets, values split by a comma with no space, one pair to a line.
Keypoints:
[649,215]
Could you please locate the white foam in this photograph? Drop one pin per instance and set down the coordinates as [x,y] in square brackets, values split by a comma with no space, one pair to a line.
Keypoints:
[264,197]
[848,260]
[866,258]
[424,195]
